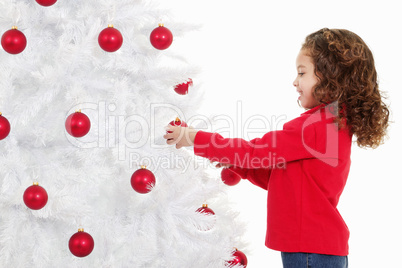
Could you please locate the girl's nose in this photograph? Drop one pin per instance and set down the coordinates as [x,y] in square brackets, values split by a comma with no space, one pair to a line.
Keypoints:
[295,82]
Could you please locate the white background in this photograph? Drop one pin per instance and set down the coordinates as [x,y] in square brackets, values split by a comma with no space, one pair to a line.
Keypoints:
[247,52]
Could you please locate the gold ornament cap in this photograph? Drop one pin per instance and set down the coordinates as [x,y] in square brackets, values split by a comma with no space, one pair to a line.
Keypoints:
[110,25]
[204,205]
[161,25]
[36,183]
[80,230]
[14,28]
[143,167]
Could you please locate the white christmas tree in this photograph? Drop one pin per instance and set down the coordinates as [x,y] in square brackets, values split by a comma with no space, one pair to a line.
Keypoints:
[128,97]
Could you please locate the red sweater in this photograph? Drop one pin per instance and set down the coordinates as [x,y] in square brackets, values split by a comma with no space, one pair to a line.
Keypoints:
[304,167]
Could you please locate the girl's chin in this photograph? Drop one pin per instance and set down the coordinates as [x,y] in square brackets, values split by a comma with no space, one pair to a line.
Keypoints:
[306,104]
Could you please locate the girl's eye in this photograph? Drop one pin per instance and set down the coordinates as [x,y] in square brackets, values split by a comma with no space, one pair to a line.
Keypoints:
[301,74]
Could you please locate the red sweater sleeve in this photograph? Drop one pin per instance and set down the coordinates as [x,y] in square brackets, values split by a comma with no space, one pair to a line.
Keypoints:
[259,177]
[292,143]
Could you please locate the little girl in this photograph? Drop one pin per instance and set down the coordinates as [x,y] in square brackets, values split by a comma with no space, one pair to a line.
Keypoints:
[337,85]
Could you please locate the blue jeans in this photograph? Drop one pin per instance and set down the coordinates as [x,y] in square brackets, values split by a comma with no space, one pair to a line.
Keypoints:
[311,260]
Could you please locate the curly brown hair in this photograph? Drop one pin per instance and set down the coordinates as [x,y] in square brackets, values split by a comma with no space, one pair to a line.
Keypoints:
[345,68]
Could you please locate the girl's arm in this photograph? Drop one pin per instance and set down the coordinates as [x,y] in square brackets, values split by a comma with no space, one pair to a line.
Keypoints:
[295,142]
[273,149]
[258,177]
[184,136]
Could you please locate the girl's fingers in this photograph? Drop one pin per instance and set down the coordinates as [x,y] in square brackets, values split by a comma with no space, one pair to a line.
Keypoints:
[170,141]
[168,136]
[169,128]
[174,136]
[219,165]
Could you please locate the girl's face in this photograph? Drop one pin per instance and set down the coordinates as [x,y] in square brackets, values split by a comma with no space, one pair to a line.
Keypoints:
[305,80]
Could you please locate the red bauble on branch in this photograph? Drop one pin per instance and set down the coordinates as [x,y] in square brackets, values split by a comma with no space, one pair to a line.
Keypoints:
[205,210]
[78,124]
[13,41]
[46,3]
[81,244]
[143,180]
[35,197]
[110,39]
[182,88]
[178,123]
[4,127]
[229,177]
[238,258]
[209,212]
[161,37]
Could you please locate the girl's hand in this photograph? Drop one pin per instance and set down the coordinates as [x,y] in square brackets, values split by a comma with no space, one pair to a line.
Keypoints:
[181,136]
[219,165]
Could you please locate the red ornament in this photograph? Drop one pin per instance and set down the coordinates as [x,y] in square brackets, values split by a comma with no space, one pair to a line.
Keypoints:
[161,37]
[182,88]
[110,39]
[238,258]
[143,180]
[229,177]
[46,3]
[178,123]
[77,124]
[4,127]
[206,211]
[35,197]
[13,41]
[81,244]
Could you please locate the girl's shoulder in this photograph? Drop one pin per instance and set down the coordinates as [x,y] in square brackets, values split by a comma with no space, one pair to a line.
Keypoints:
[320,115]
